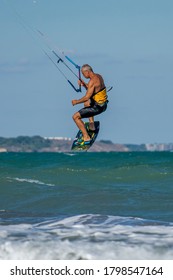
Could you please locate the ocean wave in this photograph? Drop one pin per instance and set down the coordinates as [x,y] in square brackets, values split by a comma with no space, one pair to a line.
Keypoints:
[88,237]
[31,181]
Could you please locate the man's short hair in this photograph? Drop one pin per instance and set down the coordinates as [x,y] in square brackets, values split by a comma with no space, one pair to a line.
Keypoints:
[87,67]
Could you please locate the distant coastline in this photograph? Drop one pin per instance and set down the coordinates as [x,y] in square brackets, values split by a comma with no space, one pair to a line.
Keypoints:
[63,144]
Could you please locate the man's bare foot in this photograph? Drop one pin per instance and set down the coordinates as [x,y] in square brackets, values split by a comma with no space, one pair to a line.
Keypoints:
[86,139]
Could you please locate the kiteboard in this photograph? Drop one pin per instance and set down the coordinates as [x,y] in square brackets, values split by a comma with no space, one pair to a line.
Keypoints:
[76,146]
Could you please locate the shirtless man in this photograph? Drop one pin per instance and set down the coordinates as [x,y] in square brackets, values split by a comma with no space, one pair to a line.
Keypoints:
[95,101]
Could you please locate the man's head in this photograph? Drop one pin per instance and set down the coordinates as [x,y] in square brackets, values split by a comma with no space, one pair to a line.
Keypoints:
[86,70]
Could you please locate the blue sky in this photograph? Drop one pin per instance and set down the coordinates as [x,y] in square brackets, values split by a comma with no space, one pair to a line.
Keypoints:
[129,42]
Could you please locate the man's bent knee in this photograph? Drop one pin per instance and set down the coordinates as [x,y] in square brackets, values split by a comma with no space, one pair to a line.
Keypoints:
[76,116]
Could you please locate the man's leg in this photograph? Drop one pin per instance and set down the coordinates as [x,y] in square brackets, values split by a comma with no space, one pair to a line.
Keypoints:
[91,119]
[91,123]
[81,126]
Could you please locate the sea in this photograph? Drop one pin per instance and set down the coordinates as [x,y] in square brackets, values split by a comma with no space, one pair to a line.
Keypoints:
[86,206]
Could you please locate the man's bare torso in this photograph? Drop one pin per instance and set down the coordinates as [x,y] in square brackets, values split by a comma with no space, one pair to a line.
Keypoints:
[97,81]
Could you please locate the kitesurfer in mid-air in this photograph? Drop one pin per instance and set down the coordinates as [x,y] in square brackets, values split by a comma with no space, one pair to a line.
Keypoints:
[95,102]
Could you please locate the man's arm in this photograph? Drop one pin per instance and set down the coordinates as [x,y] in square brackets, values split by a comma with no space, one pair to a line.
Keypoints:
[87,96]
[82,83]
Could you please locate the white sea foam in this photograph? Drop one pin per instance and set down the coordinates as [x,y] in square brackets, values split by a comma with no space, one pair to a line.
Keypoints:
[32,181]
[70,154]
[87,237]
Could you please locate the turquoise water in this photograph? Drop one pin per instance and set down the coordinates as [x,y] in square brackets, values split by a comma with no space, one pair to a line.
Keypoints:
[86,205]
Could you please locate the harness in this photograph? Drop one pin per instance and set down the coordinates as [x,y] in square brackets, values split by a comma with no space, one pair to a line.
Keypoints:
[100,97]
